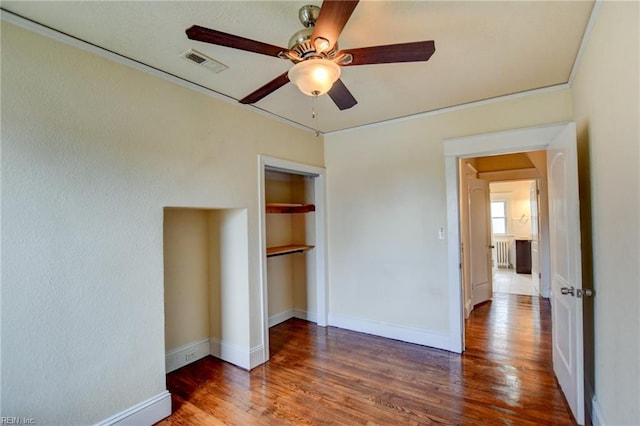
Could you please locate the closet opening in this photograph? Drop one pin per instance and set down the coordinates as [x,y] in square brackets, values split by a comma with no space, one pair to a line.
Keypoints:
[293,257]
[290,238]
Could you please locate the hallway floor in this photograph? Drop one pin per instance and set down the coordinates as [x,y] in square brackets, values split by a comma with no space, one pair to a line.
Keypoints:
[507,281]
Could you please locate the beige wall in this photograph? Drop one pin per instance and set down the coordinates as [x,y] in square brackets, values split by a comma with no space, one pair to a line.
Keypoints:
[606,95]
[386,198]
[92,151]
[186,276]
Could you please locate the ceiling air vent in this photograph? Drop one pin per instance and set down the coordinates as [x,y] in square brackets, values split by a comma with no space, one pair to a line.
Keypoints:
[201,59]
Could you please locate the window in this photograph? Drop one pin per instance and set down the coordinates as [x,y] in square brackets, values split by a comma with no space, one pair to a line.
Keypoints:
[499,217]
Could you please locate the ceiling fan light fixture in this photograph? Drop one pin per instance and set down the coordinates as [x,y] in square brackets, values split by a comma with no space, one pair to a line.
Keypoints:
[314,77]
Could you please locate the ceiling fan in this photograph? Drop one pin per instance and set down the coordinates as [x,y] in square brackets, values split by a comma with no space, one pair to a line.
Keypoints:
[314,52]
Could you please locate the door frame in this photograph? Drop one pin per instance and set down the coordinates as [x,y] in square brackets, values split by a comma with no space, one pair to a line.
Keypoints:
[319,251]
[455,149]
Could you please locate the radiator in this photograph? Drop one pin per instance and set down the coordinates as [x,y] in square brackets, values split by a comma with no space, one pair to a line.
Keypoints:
[502,254]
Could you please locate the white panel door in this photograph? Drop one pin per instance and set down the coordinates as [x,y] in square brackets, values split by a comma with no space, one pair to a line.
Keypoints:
[566,273]
[535,239]
[480,273]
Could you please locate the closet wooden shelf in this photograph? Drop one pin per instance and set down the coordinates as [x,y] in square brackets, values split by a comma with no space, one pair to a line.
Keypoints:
[288,249]
[290,208]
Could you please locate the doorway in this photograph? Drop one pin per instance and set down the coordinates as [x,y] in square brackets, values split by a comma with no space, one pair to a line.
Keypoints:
[489,145]
[503,238]
[559,142]
[515,236]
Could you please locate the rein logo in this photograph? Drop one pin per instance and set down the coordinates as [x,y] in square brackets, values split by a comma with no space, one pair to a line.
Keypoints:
[15,420]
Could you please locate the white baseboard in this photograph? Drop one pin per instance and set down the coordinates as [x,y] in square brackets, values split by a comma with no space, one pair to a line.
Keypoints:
[304,315]
[589,398]
[147,412]
[186,354]
[256,356]
[597,418]
[281,317]
[230,353]
[234,354]
[467,308]
[420,336]
[291,313]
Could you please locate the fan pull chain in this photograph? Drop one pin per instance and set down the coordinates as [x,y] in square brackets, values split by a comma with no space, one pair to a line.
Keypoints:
[314,115]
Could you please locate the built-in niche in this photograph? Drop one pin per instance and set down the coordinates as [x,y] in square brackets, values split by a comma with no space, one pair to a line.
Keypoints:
[290,233]
[205,282]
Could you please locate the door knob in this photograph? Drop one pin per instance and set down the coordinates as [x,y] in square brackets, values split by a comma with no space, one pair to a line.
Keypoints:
[584,292]
[567,290]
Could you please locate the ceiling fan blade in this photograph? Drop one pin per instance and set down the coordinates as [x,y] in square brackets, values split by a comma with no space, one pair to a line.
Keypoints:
[265,90]
[341,96]
[404,52]
[208,35]
[334,15]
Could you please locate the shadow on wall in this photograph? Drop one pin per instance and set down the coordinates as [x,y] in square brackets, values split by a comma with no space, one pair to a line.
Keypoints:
[588,312]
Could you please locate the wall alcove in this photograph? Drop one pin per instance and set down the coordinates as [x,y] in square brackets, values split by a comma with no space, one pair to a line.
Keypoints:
[204,261]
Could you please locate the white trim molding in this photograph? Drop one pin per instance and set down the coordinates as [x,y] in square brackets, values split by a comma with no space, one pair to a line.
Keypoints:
[434,339]
[147,412]
[281,317]
[256,357]
[291,313]
[234,354]
[597,418]
[507,141]
[592,407]
[454,263]
[461,107]
[239,356]
[184,355]
[595,11]
[305,315]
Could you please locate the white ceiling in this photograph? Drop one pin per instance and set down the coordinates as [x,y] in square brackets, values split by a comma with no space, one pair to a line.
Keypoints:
[483,49]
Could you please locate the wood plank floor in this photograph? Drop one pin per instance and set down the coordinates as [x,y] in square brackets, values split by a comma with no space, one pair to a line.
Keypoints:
[320,376]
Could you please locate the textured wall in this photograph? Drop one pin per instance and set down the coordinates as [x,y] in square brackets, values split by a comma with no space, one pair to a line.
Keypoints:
[186,276]
[386,198]
[606,109]
[92,151]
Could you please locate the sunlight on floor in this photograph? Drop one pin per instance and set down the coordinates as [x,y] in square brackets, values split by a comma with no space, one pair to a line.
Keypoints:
[507,281]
